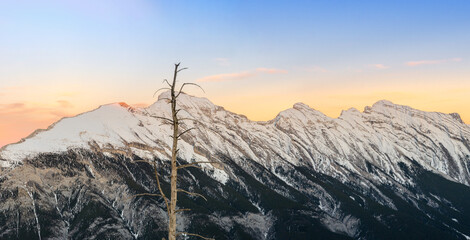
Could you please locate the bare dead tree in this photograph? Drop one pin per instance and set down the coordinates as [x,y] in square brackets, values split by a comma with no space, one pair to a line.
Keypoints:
[175,122]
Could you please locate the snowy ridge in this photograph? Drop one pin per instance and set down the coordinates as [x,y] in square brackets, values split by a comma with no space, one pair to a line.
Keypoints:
[369,143]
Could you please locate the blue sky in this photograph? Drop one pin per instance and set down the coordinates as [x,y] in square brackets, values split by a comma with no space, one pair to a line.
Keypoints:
[284,34]
[253,57]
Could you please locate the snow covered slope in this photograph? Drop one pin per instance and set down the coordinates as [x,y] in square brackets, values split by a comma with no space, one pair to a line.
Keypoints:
[381,136]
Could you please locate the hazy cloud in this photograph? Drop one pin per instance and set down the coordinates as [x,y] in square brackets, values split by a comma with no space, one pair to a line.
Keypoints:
[378,66]
[271,70]
[432,62]
[241,75]
[226,77]
[65,104]
[34,111]
[12,106]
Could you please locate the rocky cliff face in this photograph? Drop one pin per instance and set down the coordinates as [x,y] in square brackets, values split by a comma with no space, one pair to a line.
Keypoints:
[387,172]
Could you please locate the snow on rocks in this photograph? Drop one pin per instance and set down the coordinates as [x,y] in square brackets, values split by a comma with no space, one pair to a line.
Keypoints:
[369,143]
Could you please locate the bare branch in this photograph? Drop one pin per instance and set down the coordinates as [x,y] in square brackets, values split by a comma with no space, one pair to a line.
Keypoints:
[182,210]
[164,118]
[160,189]
[168,99]
[195,235]
[185,131]
[160,90]
[178,110]
[184,119]
[192,193]
[164,80]
[192,164]
[182,69]
[184,84]
[181,109]
[152,115]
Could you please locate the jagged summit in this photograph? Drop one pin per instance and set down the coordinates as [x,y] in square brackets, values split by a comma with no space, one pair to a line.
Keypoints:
[385,103]
[387,107]
[350,113]
[185,99]
[457,117]
[301,106]
[382,134]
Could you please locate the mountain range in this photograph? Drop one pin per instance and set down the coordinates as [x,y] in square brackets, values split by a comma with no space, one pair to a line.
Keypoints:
[387,172]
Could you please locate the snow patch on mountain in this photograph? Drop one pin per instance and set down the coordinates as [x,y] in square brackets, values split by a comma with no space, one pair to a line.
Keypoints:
[371,143]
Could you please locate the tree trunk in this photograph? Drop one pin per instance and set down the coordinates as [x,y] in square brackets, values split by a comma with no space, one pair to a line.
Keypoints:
[174,172]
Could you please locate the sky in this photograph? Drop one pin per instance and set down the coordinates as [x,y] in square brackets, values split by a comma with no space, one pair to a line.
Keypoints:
[61,58]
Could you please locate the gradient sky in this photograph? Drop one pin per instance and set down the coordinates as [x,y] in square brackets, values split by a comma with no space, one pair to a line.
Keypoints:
[61,58]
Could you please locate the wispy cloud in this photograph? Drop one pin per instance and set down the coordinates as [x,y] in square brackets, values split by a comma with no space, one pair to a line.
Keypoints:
[226,77]
[378,66]
[65,104]
[241,75]
[35,110]
[271,70]
[12,106]
[225,62]
[432,62]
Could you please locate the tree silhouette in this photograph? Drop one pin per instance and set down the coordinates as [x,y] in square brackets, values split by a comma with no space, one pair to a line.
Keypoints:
[175,122]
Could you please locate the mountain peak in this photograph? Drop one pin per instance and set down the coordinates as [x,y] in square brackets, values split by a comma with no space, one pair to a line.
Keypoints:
[386,107]
[456,116]
[384,102]
[185,101]
[302,106]
[164,95]
[350,112]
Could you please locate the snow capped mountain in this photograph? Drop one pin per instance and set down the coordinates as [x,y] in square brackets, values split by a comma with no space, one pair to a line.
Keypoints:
[351,176]
[383,135]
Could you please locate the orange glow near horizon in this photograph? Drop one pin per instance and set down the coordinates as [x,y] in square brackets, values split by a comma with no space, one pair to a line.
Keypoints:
[265,107]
